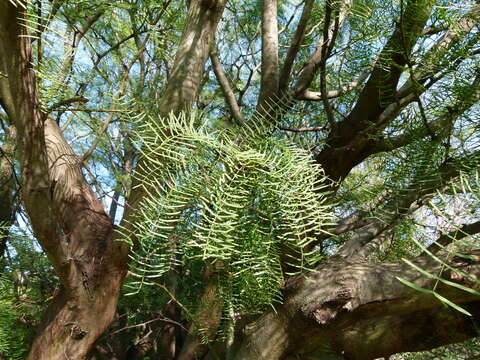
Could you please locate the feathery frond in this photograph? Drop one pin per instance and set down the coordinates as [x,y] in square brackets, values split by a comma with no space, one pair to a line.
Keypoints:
[236,203]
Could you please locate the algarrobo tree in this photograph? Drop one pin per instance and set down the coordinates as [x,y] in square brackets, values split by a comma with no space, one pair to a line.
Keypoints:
[349,303]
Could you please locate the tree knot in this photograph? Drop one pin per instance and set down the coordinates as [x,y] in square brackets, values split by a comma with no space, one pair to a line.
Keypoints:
[76,332]
[329,309]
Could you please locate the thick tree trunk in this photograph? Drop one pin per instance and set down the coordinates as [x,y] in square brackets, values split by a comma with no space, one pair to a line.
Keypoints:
[94,266]
[362,311]
[68,220]
[74,322]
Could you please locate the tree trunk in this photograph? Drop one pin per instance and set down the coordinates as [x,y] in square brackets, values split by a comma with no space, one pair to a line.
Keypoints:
[67,218]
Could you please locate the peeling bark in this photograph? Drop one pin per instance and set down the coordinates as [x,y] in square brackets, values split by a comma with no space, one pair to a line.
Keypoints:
[345,306]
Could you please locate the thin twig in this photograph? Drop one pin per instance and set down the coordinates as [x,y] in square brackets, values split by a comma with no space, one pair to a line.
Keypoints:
[303,129]
[164,319]
[88,110]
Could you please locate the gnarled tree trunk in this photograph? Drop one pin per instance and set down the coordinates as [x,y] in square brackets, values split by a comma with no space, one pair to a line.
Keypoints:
[361,311]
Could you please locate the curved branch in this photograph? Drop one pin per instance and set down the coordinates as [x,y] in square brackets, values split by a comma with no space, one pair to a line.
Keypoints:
[441,47]
[365,239]
[348,140]
[438,126]
[446,239]
[331,94]
[313,64]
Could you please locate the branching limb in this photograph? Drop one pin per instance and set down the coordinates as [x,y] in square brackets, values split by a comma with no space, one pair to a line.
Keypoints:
[352,307]
[437,127]
[430,64]
[446,239]
[286,72]
[329,36]
[400,204]
[313,64]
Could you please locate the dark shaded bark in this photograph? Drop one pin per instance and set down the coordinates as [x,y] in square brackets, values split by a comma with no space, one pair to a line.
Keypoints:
[7,189]
[72,225]
[365,239]
[350,306]
[168,347]
[206,320]
[346,305]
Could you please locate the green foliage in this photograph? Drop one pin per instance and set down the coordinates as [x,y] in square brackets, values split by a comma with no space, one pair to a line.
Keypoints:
[468,350]
[469,185]
[26,284]
[235,205]
[14,337]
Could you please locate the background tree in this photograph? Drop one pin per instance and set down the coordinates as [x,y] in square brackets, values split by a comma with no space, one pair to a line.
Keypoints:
[368,109]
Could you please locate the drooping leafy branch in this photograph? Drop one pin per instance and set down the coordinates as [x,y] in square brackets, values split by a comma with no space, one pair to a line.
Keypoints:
[225,201]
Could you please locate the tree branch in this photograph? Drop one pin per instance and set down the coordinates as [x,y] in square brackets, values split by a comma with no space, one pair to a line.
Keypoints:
[286,72]
[438,126]
[312,65]
[400,203]
[331,94]
[329,36]
[225,86]
[347,142]
[302,129]
[446,239]
[430,64]
[269,69]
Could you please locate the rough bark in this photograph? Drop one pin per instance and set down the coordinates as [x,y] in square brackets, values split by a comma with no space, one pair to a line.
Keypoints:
[347,307]
[187,71]
[68,220]
[188,68]
[7,188]
[179,95]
